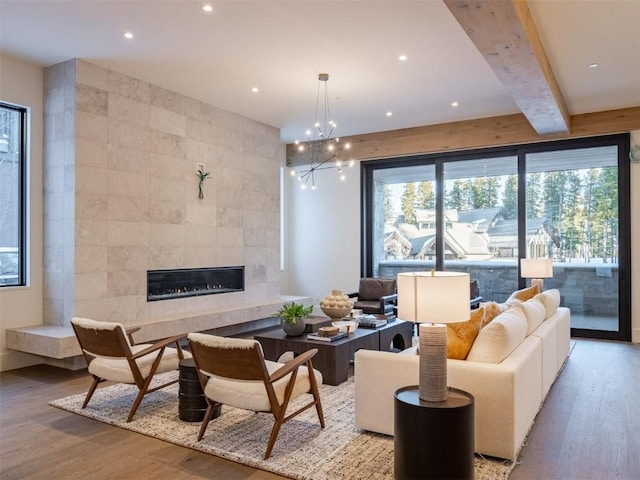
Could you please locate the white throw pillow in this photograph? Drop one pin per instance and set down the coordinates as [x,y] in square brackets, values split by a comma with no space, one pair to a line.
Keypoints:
[534,311]
[551,301]
[499,338]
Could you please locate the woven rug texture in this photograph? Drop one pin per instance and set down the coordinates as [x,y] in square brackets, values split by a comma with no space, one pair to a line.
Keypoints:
[302,451]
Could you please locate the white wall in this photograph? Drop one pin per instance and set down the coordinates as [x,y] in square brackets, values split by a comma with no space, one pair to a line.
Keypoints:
[322,249]
[322,235]
[21,83]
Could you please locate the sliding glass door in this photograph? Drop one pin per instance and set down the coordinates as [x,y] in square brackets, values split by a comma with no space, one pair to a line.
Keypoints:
[573,217]
[481,222]
[403,222]
[483,211]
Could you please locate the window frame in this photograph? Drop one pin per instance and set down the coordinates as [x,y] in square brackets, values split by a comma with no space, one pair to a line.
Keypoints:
[622,141]
[22,194]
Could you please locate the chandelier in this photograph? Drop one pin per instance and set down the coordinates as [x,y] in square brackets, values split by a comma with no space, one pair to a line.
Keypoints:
[323,149]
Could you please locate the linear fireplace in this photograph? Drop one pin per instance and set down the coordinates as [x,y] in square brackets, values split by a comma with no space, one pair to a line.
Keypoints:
[190,282]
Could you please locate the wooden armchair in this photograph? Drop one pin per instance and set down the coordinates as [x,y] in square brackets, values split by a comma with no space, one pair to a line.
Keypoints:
[376,295]
[111,355]
[234,372]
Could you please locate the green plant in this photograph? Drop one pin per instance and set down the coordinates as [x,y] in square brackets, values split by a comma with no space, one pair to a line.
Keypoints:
[202,175]
[291,311]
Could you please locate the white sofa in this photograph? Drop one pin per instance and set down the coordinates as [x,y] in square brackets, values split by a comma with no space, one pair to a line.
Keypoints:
[508,394]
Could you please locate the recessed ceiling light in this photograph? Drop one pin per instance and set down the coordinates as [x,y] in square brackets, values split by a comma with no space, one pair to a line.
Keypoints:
[255,90]
[207,8]
[403,58]
[389,114]
[128,35]
[594,65]
[454,104]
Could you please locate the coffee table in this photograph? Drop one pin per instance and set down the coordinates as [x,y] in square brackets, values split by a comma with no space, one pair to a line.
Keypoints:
[332,359]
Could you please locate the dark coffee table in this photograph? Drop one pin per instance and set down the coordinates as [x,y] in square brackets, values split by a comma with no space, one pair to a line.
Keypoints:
[332,359]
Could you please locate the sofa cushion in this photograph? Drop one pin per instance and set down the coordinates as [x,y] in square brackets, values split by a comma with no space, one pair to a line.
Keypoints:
[460,336]
[524,294]
[534,312]
[500,337]
[551,301]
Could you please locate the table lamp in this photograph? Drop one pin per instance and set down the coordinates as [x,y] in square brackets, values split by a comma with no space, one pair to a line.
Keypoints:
[433,299]
[536,269]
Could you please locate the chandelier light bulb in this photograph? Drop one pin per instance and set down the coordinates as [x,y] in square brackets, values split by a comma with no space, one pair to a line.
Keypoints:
[343,177]
[351,162]
[347,146]
[323,150]
[293,173]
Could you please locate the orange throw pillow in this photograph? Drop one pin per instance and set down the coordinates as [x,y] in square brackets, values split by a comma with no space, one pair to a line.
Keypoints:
[460,336]
[492,310]
[525,294]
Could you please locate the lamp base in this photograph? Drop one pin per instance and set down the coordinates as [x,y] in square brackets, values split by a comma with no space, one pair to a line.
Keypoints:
[433,362]
[539,282]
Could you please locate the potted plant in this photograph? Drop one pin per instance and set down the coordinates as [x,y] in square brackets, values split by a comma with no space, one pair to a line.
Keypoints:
[292,316]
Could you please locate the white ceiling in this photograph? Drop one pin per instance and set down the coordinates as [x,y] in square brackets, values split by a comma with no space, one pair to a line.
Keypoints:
[281,46]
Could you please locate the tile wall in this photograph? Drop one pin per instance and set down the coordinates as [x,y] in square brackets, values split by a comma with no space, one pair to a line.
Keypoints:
[121,198]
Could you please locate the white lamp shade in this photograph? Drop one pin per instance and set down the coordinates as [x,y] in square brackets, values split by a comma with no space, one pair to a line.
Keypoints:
[434,297]
[536,268]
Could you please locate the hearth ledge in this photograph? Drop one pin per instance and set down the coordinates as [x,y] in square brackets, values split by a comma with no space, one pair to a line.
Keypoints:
[57,345]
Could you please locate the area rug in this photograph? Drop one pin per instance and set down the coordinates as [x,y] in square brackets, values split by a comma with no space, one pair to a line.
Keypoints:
[302,451]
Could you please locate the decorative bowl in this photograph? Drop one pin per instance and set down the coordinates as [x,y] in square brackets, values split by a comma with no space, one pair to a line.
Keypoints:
[348,326]
[328,331]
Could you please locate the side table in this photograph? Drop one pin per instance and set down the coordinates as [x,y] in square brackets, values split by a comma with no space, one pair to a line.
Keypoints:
[433,440]
[192,403]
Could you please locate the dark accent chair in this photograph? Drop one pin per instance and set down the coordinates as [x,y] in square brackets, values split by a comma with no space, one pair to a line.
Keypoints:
[376,295]
[475,294]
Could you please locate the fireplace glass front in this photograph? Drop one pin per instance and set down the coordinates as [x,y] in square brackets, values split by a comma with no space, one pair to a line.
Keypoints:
[190,282]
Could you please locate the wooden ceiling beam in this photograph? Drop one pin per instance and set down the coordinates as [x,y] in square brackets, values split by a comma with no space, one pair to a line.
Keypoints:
[468,134]
[505,34]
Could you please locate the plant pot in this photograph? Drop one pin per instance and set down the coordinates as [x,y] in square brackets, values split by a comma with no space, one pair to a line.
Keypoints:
[294,329]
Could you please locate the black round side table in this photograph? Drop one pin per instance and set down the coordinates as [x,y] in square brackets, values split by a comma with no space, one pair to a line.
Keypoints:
[433,440]
[192,403]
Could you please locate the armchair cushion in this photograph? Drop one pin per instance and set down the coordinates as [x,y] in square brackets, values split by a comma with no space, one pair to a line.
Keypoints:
[251,395]
[118,370]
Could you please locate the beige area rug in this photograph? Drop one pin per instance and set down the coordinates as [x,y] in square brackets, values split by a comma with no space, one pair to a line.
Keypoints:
[302,451]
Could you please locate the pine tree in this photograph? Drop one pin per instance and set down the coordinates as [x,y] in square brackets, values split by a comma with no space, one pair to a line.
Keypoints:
[426,197]
[510,197]
[387,202]
[408,203]
[535,198]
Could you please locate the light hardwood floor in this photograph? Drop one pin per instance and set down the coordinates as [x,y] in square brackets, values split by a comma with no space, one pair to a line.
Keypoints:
[589,428]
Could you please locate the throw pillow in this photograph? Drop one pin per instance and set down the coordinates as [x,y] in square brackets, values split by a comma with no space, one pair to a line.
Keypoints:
[460,336]
[551,301]
[524,294]
[500,337]
[534,312]
[492,310]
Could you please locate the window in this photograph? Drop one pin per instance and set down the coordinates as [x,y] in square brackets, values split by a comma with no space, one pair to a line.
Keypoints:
[482,211]
[13,129]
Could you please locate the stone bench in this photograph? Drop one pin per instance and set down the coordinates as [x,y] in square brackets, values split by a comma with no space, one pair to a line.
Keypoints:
[57,345]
